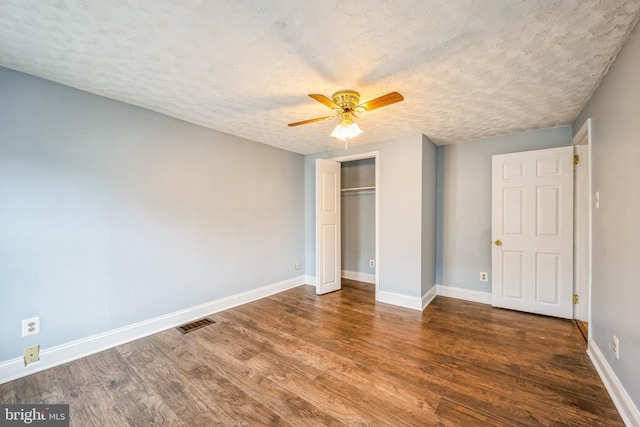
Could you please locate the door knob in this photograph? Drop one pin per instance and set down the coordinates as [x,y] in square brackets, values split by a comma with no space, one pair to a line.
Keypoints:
[498,242]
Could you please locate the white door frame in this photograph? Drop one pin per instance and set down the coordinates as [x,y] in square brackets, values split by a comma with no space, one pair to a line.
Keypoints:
[583,138]
[360,156]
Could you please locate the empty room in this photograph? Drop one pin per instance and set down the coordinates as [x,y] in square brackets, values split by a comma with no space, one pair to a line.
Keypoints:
[394,213]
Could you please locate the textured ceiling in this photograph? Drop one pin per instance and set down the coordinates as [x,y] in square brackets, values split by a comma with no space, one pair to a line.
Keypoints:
[468,69]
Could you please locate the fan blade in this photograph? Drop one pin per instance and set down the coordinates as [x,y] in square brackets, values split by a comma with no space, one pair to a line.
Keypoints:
[304,122]
[326,101]
[382,101]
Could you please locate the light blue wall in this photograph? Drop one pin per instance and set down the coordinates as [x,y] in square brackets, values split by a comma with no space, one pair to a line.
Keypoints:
[111,214]
[358,173]
[358,216]
[464,203]
[429,213]
[400,192]
[615,293]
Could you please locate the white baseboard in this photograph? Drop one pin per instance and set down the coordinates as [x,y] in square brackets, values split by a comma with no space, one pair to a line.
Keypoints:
[406,301]
[625,406]
[58,355]
[310,280]
[360,277]
[429,296]
[465,294]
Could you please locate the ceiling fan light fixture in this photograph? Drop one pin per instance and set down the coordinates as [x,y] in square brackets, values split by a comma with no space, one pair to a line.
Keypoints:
[347,103]
[346,129]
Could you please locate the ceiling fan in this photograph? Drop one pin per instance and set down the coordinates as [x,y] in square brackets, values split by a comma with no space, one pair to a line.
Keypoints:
[346,103]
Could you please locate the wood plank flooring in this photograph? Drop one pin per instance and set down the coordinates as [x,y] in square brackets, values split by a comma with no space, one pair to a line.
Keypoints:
[340,359]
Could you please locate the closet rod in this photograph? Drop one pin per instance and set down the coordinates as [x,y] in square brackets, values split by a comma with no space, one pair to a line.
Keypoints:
[358,188]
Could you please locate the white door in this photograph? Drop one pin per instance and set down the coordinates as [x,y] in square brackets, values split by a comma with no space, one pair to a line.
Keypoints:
[532,231]
[327,226]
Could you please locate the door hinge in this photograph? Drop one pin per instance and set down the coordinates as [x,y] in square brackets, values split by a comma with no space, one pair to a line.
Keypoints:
[575,299]
[576,159]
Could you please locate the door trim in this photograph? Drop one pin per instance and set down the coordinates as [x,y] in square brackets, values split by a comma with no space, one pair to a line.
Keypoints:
[583,138]
[360,156]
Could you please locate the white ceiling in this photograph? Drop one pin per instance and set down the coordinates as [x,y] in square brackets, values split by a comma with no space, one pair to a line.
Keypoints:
[468,69]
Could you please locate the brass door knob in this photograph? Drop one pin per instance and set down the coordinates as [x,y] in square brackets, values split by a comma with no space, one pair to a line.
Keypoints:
[498,242]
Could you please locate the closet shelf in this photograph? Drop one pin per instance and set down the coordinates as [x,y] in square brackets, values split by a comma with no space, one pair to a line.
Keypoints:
[373,187]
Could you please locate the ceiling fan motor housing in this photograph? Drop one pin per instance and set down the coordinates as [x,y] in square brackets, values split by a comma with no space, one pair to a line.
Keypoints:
[347,100]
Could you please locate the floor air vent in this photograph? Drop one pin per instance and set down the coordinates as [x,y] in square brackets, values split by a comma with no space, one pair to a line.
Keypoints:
[189,327]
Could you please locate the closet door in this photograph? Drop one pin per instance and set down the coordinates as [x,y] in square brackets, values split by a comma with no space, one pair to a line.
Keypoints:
[327,226]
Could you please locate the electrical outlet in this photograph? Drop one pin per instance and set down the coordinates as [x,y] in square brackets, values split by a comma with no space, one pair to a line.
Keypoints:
[372,263]
[31,326]
[297,265]
[31,354]
[616,347]
[484,276]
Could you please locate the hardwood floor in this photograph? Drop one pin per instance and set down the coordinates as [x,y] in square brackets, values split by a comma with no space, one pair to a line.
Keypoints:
[340,359]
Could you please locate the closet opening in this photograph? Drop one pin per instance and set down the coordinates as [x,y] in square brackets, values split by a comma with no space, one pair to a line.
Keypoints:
[358,220]
[355,187]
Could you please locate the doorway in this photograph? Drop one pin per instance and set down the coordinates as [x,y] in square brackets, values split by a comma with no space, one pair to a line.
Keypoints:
[358,220]
[333,246]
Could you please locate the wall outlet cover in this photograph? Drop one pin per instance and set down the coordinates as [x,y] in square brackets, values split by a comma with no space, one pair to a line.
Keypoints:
[31,326]
[31,354]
